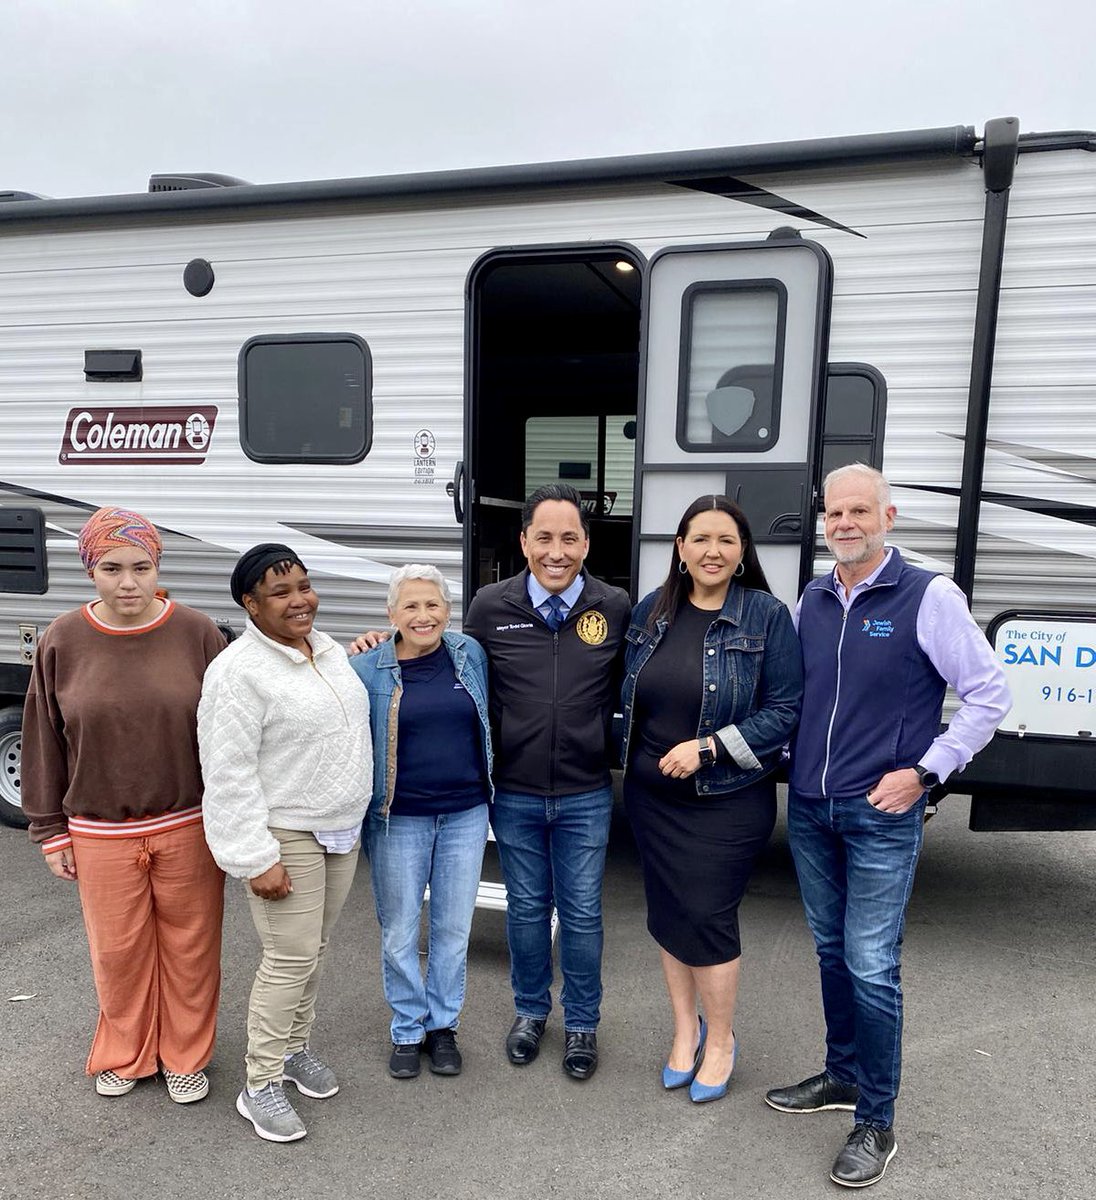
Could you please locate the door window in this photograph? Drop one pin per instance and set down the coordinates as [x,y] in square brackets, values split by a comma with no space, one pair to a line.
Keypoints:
[732,334]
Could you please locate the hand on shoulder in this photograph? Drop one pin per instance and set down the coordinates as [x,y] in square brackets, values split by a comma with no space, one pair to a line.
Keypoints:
[367,641]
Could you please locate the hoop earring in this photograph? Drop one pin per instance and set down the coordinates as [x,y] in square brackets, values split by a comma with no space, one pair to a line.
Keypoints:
[681,567]
[740,570]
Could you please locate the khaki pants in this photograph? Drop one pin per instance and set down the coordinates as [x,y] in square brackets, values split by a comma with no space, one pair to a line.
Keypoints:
[294,933]
[152,908]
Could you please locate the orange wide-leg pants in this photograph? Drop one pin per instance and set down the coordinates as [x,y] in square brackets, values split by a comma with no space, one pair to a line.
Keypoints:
[152,908]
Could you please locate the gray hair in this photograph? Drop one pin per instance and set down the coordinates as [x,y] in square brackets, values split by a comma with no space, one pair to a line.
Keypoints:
[417,571]
[863,471]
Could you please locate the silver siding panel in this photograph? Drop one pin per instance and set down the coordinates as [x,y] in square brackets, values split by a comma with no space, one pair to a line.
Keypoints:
[395,275]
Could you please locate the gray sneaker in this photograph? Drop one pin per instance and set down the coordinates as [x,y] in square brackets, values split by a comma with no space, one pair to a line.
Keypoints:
[274,1118]
[309,1075]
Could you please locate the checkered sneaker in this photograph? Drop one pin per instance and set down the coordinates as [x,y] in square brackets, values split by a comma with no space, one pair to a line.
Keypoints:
[185,1089]
[110,1083]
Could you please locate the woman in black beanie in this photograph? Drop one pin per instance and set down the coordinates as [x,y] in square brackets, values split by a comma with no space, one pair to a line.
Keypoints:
[283,732]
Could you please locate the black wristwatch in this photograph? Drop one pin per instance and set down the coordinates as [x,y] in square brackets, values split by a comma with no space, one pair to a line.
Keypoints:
[707,754]
[929,779]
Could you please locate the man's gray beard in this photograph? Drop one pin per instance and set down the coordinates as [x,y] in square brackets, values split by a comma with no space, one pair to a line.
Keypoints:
[871,547]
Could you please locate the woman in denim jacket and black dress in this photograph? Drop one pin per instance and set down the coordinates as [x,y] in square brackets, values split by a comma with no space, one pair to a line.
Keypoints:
[712,689]
[427,821]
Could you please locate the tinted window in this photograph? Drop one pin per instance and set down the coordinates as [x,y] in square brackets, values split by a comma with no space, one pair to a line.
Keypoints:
[306,398]
[850,405]
[854,416]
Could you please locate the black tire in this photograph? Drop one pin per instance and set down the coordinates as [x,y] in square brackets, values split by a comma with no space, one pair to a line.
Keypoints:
[11,747]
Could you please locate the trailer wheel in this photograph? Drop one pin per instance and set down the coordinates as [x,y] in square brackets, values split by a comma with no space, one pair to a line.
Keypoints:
[11,752]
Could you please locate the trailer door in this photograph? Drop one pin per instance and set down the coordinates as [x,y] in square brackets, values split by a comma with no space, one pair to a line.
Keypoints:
[731,379]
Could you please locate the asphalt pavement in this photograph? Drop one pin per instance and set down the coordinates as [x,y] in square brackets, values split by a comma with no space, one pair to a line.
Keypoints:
[998,1093]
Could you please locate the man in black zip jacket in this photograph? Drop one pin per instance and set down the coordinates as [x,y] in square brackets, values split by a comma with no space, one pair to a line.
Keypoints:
[553,636]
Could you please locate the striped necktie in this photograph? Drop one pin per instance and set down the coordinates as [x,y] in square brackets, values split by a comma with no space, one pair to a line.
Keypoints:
[555,614]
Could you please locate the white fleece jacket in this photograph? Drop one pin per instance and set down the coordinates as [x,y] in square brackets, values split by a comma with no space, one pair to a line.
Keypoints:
[284,743]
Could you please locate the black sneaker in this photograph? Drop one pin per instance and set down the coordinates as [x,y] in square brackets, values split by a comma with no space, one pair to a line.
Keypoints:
[441,1046]
[863,1161]
[404,1063]
[820,1093]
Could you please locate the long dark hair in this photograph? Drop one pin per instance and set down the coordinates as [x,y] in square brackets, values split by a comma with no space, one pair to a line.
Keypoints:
[677,587]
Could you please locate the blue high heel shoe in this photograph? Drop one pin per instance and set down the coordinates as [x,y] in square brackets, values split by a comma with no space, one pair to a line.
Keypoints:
[672,1079]
[701,1093]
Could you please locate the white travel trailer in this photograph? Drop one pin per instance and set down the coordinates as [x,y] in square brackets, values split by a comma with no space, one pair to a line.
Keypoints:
[378,370]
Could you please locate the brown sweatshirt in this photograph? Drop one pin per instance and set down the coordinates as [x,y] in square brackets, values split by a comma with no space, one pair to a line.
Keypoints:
[109,721]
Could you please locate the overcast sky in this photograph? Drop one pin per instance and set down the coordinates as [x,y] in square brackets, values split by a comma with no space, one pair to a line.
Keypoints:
[99,94]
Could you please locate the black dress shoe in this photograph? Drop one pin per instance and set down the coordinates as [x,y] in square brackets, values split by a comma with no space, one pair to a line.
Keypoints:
[864,1158]
[817,1094]
[580,1055]
[523,1040]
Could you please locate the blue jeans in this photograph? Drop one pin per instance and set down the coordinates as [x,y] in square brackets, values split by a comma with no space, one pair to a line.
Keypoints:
[445,852]
[552,852]
[855,867]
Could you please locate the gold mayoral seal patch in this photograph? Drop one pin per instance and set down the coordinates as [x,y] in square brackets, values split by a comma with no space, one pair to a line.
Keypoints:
[592,628]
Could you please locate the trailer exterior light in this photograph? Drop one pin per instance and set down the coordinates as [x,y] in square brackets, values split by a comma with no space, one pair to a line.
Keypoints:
[625,268]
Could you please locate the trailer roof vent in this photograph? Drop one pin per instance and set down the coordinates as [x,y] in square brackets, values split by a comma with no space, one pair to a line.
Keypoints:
[192,181]
[9,197]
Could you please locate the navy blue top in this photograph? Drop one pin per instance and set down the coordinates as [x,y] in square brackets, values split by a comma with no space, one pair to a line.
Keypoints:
[873,697]
[439,759]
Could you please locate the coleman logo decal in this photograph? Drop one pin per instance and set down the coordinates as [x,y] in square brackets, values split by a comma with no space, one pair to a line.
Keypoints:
[592,628]
[160,435]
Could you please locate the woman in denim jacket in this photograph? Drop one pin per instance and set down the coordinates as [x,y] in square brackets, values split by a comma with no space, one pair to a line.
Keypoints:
[712,689]
[427,821]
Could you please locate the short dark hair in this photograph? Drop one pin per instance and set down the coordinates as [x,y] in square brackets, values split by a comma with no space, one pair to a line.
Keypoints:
[553,491]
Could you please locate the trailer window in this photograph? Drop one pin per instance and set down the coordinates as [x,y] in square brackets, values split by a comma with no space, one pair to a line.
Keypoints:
[854,416]
[732,335]
[306,398]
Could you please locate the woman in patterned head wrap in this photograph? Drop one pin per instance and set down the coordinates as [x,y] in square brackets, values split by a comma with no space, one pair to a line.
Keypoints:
[110,529]
[112,787]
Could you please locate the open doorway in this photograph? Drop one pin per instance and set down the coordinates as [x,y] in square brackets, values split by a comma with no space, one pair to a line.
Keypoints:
[552,392]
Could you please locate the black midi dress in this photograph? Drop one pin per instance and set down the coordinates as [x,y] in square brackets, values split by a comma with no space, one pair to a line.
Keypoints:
[697,850]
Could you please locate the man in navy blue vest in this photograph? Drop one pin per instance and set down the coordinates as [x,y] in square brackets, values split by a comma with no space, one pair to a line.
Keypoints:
[882,640]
